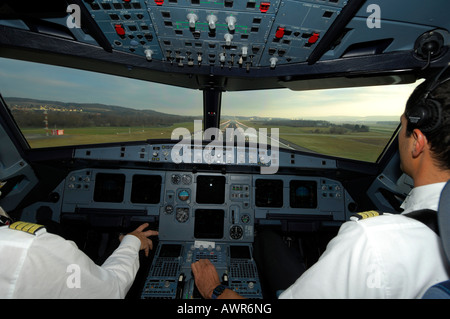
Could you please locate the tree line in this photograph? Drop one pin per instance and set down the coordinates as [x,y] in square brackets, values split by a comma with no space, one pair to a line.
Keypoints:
[320,125]
[35,119]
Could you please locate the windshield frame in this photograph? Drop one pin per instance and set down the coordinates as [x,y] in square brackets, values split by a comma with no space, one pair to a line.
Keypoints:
[217,107]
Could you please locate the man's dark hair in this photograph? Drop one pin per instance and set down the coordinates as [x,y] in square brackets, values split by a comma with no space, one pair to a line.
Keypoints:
[438,138]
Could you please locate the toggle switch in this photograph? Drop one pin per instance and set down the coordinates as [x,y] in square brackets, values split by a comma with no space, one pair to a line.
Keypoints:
[148,54]
[244,51]
[273,62]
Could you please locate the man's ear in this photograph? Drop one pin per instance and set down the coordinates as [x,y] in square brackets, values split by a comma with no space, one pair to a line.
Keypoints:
[420,142]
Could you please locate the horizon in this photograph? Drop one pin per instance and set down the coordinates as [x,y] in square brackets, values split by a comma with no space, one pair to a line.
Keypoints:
[25,80]
[332,119]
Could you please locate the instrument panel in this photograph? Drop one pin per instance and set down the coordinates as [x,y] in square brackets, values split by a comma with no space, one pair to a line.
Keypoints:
[183,199]
[200,213]
[191,206]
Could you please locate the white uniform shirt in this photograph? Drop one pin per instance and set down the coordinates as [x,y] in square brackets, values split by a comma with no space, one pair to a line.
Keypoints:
[48,266]
[390,256]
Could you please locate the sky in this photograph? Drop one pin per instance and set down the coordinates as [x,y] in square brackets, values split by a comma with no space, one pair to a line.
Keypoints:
[31,80]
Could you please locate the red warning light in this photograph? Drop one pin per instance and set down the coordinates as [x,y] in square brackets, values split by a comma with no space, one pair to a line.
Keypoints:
[264,7]
[159,2]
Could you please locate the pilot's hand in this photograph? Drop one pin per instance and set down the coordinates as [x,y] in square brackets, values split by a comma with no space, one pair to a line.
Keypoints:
[206,277]
[146,243]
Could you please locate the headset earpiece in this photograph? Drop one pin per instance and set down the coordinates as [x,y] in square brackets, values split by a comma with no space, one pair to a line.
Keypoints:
[426,115]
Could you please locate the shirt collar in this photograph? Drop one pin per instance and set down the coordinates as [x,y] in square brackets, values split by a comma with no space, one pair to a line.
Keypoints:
[423,197]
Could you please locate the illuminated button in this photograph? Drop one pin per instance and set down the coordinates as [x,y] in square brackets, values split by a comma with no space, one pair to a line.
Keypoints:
[159,2]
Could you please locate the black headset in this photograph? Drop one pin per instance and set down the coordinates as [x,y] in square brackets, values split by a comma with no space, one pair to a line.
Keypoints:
[426,114]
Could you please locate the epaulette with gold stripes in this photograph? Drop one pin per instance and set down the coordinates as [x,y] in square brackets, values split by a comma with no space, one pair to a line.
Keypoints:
[30,228]
[365,215]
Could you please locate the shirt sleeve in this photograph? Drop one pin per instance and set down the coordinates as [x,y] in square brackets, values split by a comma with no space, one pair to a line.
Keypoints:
[56,268]
[350,267]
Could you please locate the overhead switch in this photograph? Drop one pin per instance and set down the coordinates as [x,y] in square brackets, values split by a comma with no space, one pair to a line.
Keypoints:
[313,39]
[280,32]
[273,62]
[120,30]
[231,21]
[228,37]
[192,17]
[148,54]
[212,19]
[264,7]
[244,51]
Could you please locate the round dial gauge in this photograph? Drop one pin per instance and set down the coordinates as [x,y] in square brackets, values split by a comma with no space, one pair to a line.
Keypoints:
[236,232]
[245,218]
[168,209]
[182,214]
[175,178]
[186,179]
[183,195]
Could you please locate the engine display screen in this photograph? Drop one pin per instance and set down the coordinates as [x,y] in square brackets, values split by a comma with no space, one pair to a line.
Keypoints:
[109,188]
[303,194]
[210,189]
[269,193]
[209,223]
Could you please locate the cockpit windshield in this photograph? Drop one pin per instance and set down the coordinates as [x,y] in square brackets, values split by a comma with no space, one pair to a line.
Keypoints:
[55,106]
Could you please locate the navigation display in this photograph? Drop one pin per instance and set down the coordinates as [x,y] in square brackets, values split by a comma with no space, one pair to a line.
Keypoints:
[146,189]
[210,189]
[109,188]
[303,194]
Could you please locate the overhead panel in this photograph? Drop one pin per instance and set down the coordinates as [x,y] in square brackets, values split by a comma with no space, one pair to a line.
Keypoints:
[223,33]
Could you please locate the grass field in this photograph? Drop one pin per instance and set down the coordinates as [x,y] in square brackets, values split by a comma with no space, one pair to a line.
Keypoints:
[365,146]
[37,138]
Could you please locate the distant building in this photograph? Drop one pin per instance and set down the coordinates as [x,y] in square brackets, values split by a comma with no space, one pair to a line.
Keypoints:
[57,132]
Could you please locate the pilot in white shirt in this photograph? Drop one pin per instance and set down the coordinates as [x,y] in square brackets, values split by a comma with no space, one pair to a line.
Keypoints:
[44,265]
[402,257]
